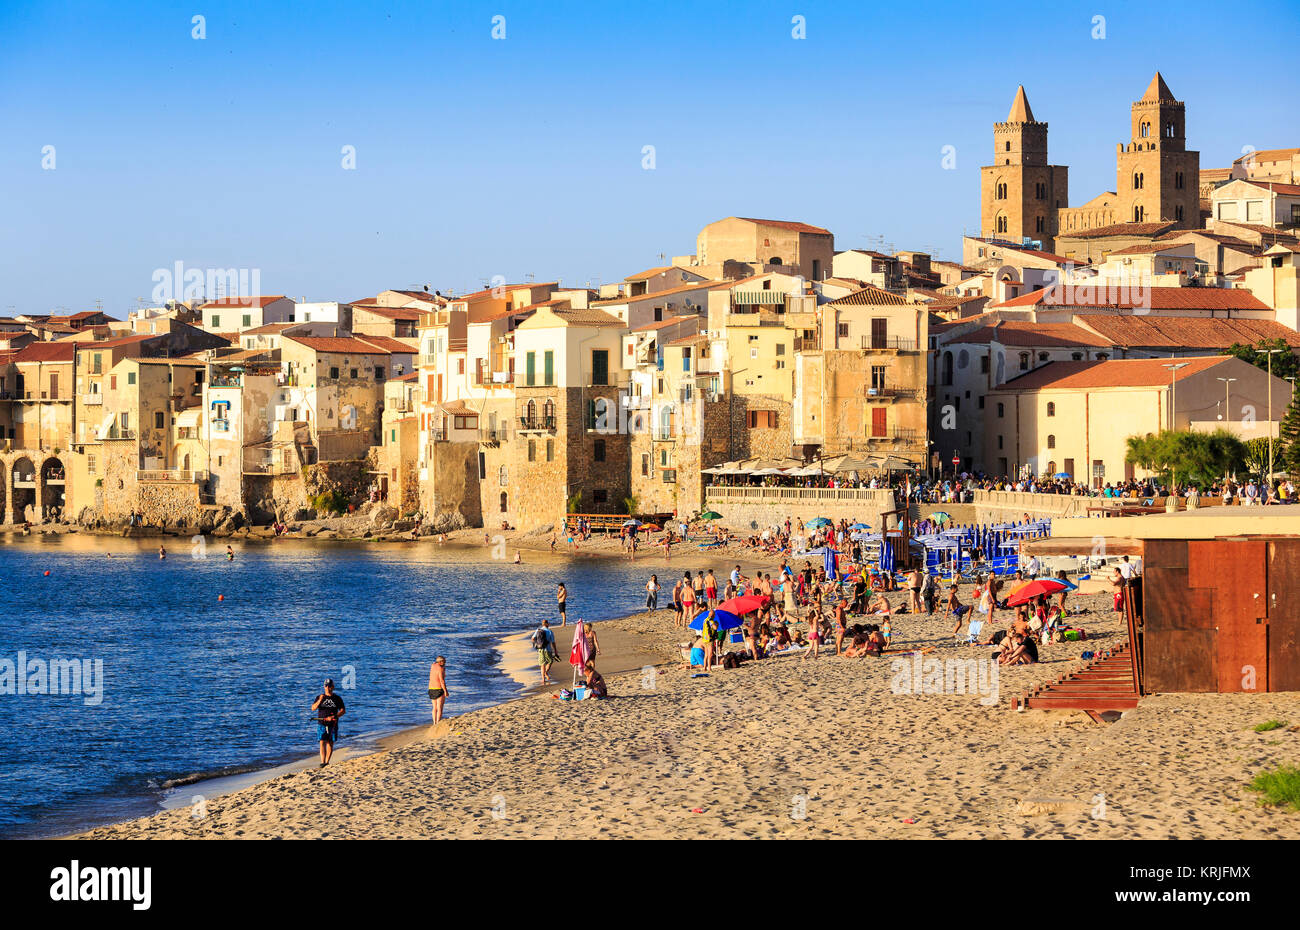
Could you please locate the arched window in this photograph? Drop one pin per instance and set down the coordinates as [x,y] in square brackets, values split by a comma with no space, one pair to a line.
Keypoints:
[548,410]
[530,414]
[1102,356]
[1138,213]
[1051,468]
[1002,224]
[1145,130]
[1001,191]
[775,260]
[1024,361]
[1051,409]
[1051,441]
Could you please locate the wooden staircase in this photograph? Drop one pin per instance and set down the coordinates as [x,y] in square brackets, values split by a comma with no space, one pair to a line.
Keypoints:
[1107,683]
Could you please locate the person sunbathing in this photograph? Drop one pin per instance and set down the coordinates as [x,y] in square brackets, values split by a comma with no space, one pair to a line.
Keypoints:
[879,606]
[857,648]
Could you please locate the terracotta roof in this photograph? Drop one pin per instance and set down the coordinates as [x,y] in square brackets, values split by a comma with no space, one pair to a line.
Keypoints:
[243,301]
[650,273]
[47,352]
[1146,247]
[870,296]
[588,318]
[389,344]
[1230,241]
[512,311]
[341,345]
[686,340]
[116,343]
[507,288]
[393,313]
[1268,155]
[650,327]
[1157,298]
[1119,229]
[1179,332]
[458,408]
[409,376]
[1017,333]
[668,292]
[785,224]
[1215,174]
[270,329]
[1119,373]
[1276,186]
[1260,230]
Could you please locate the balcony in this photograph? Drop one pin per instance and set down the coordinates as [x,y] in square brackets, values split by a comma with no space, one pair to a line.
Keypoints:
[889,393]
[121,434]
[171,475]
[758,298]
[438,435]
[896,434]
[500,434]
[91,400]
[427,360]
[662,434]
[888,344]
[536,423]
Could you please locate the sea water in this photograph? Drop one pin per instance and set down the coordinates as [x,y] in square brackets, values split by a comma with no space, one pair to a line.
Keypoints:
[193,686]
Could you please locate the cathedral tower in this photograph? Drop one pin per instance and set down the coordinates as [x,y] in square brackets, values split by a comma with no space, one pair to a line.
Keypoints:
[1020,192]
[1157,178]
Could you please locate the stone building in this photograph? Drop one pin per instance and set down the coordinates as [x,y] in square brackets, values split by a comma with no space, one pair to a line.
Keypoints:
[1020,193]
[739,246]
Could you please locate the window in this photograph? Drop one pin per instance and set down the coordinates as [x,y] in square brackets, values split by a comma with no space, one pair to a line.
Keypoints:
[1178,212]
[334,372]
[532,450]
[877,377]
[1002,224]
[984,364]
[460,366]
[90,464]
[1042,356]
[530,369]
[598,450]
[1102,356]
[981,403]
[159,420]
[548,368]
[842,330]
[1076,356]
[216,321]
[600,367]
[762,419]
[1051,409]
[248,320]
[550,450]
[1001,410]
[503,501]
[645,464]
[1000,446]
[753,352]
[686,358]
[1038,224]
[1024,361]
[379,370]
[1178,180]
[1051,441]
[1001,191]
[352,373]
[780,348]
[130,378]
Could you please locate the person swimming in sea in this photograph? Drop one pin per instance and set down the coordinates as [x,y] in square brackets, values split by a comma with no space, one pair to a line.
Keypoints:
[230,554]
[162,552]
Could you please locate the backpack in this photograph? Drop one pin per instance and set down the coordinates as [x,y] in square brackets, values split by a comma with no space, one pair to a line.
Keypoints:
[539,638]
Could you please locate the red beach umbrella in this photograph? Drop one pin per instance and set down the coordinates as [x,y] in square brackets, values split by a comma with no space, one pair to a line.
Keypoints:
[744,605]
[1031,589]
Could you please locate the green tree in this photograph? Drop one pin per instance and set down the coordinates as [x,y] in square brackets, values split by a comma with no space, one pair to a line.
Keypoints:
[1185,457]
[1257,454]
[1289,439]
[1285,363]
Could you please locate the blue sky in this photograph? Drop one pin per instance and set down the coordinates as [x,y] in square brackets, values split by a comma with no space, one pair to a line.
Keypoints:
[478,157]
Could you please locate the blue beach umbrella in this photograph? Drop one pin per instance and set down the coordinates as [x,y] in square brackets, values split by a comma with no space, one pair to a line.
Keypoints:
[886,556]
[817,523]
[725,620]
[831,571]
[859,526]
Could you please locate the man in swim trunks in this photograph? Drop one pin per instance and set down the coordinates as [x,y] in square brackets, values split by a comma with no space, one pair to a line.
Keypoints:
[329,708]
[438,686]
[914,591]
[688,599]
[562,601]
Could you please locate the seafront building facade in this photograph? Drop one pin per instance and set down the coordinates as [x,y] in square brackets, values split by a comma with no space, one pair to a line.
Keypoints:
[514,405]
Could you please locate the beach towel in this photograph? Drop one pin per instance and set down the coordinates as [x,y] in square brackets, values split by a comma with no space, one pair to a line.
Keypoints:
[578,654]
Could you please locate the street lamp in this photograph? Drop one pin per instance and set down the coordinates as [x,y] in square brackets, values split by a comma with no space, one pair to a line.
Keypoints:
[1227,387]
[1173,390]
[1270,353]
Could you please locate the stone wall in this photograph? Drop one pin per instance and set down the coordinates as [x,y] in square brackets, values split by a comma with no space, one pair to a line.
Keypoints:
[746,511]
[760,443]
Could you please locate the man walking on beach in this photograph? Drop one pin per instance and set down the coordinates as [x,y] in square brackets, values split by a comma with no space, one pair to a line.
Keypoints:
[543,641]
[329,708]
[438,686]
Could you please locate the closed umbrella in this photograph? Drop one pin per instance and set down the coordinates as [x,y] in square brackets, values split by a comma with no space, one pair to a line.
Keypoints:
[886,556]
[831,571]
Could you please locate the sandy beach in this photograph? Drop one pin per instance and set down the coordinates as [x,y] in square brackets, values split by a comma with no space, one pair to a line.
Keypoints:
[790,747]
